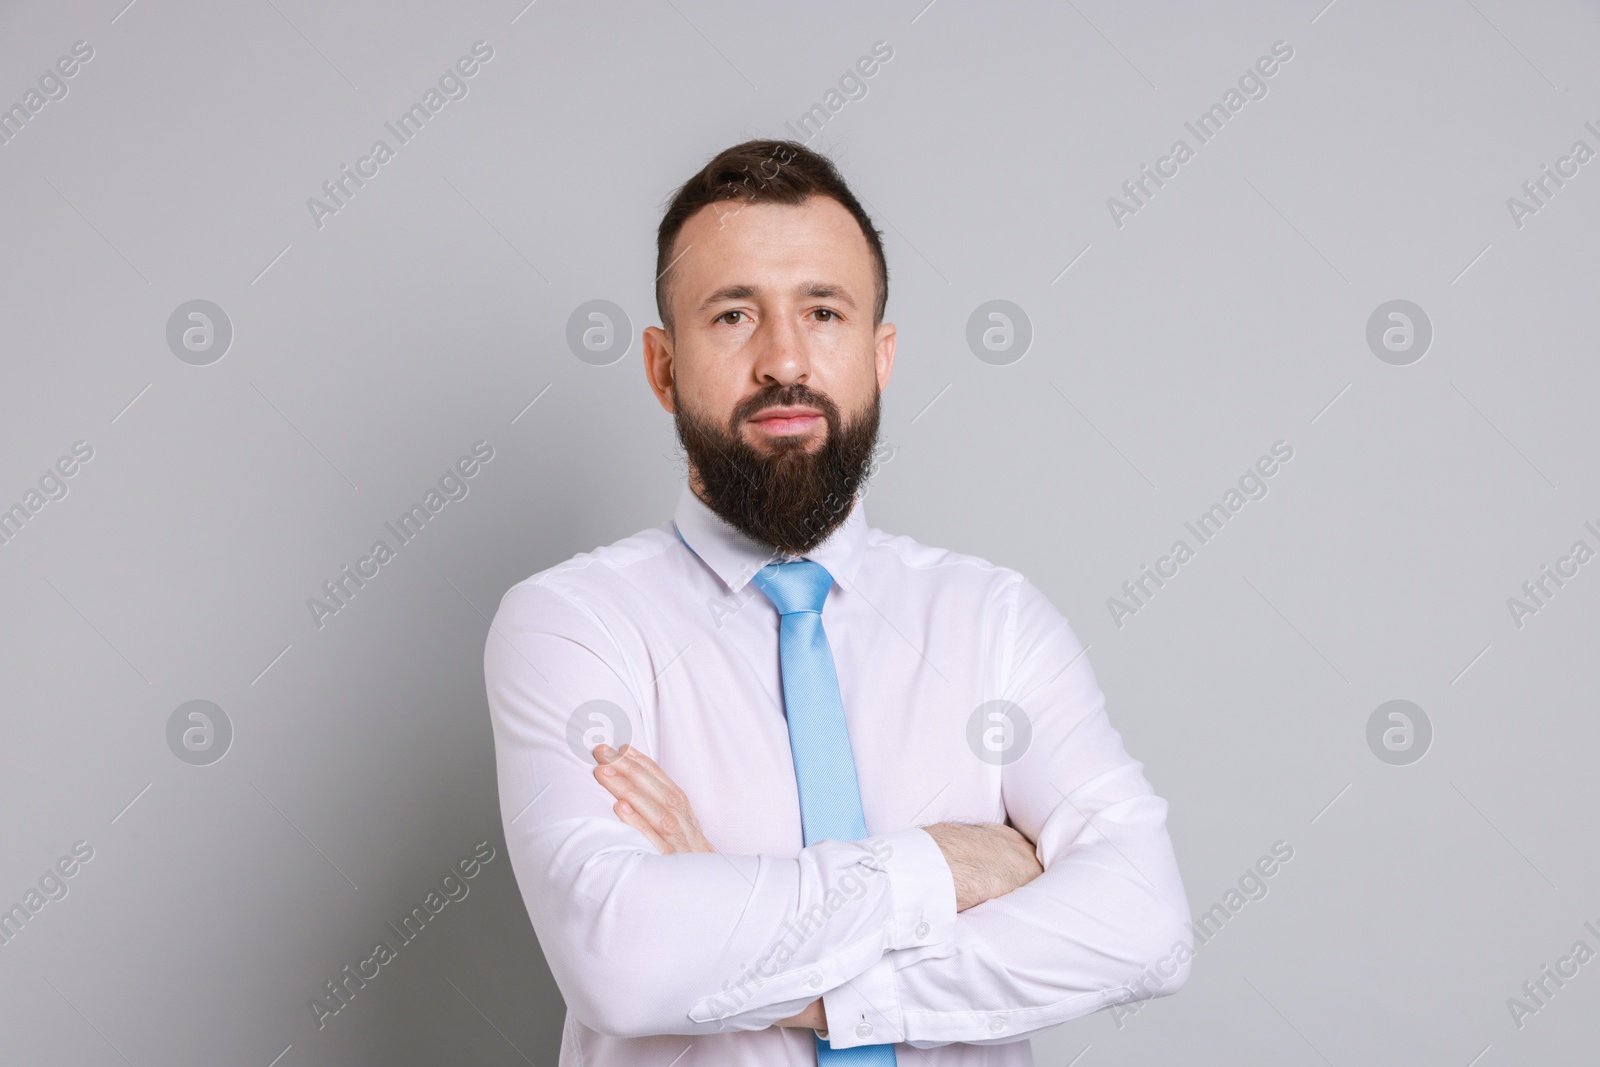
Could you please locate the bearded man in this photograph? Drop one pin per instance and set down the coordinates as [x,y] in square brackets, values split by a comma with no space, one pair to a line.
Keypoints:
[779,787]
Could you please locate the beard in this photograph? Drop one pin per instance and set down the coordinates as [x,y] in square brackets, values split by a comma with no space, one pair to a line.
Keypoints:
[782,495]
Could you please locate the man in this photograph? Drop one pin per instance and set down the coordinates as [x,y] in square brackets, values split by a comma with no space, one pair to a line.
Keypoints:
[779,788]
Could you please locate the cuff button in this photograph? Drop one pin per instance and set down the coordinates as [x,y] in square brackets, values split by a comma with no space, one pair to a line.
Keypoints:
[922,929]
[996,1025]
[814,981]
[864,1029]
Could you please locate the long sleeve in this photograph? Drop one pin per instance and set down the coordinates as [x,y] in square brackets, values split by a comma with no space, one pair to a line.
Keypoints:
[1107,920]
[641,943]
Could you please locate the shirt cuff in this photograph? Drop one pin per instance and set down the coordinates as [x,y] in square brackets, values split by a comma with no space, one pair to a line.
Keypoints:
[921,888]
[865,1010]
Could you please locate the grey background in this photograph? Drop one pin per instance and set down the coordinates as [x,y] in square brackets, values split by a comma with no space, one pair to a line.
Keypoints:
[367,355]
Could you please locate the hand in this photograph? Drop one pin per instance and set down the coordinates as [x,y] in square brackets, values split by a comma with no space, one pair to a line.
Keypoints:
[987,860]
[648,800]
[812,1017]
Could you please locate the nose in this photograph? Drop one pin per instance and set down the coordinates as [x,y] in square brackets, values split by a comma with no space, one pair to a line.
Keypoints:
[781,355]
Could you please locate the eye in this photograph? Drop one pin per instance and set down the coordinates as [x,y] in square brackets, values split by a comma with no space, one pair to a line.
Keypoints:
[724,317]
[827,314]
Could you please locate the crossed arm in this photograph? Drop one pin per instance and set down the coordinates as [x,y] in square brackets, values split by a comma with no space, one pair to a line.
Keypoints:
[986,860]
[675,940]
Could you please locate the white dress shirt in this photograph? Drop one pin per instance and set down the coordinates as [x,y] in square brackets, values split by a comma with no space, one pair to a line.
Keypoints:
[660,640]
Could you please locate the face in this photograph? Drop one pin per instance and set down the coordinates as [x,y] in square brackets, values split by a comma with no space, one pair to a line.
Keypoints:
[774,366]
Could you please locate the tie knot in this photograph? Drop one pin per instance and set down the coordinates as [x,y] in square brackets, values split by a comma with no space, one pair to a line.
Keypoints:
[798,586]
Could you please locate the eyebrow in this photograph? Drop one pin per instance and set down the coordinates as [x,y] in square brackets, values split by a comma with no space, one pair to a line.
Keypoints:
[818,290]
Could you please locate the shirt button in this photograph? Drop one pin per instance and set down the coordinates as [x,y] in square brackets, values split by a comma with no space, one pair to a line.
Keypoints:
[815,980]
[864,1029]
[996,1025]
[922,929]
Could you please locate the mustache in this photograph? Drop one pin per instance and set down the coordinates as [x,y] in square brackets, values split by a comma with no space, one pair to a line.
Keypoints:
[796,394]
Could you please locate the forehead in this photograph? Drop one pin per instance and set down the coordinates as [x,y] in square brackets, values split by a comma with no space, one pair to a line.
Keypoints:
[735,242]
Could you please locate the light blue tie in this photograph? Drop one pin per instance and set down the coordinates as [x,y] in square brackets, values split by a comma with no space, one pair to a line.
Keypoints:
[824,769]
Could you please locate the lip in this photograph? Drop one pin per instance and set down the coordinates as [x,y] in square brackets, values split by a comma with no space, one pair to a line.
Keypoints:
[787,421]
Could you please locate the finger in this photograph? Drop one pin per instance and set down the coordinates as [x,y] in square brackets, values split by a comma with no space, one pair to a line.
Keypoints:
[650,776]
[628,815]
[623,784]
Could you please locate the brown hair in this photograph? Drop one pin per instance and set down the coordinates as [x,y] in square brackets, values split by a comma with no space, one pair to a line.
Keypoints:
[762,172]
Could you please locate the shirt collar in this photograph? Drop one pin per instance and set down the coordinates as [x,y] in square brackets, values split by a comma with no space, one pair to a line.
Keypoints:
[735,558]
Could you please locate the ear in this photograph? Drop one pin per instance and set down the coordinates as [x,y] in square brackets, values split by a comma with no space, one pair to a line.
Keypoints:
[883,353]
[658,368]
